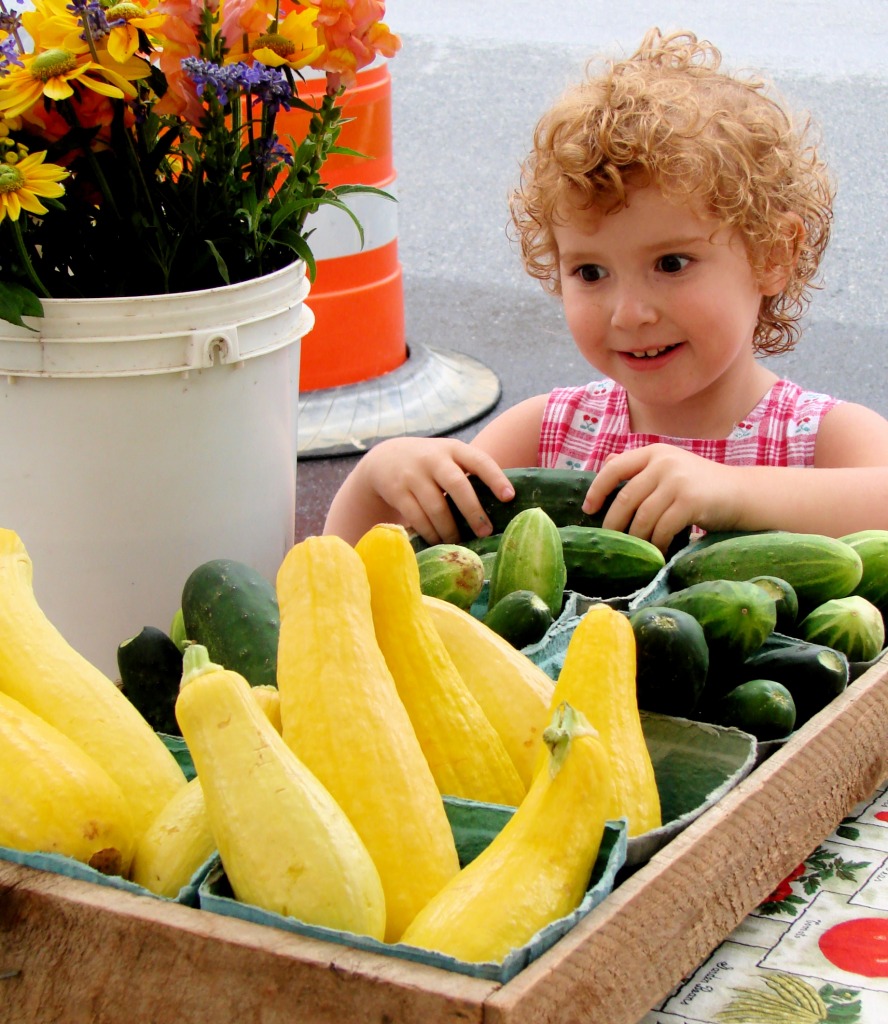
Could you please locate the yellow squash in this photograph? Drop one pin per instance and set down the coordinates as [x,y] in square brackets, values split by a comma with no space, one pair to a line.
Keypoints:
[41,670]
[538,867]
[598,678]
[342,715]
[175,844]
[464,751]
[180,840]
[54,798]
[513,692]
[285,844]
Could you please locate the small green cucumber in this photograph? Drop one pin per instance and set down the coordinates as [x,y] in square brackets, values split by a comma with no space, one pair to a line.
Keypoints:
[231,609]
[521,617]
[813,674]
[671,660]
[762,707]
[452,573]
[530,557]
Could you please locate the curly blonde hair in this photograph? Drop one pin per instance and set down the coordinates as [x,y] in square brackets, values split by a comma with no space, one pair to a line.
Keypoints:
[668,116]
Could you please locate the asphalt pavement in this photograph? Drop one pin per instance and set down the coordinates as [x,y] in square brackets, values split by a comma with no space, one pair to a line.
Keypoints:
[467,87]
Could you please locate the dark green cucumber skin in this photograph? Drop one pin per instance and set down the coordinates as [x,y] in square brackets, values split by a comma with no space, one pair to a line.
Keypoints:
[599,563]
[759,706]
[232,610]
[812,673]
[559,492]
[736,616]
[672,660]
[786,600]
[521,617]
[150,666]
[817,568]
[607,563]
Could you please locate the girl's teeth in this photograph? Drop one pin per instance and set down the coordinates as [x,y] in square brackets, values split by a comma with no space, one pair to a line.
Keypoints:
[651,352]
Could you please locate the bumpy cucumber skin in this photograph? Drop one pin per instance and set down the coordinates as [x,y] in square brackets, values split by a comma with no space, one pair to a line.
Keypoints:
[232,610]
[451,573]
[559,492]
[736,616]
[530,557]
[607,563]
[818,568]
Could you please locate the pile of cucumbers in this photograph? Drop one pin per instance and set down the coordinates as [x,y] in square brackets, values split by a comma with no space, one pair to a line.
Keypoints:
[757,630]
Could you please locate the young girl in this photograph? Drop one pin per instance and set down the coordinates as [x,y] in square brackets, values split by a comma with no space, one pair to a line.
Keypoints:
[681,217]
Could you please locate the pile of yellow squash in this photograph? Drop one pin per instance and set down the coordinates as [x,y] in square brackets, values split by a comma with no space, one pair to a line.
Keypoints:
[323,797]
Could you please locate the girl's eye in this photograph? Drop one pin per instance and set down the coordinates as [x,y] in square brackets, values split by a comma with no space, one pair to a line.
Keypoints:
[590,272]
[672,263]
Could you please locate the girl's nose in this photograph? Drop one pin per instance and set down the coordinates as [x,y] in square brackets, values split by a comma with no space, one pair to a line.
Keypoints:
[632,309]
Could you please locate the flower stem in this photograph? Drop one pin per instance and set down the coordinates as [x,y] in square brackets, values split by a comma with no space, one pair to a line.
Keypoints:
[26,259]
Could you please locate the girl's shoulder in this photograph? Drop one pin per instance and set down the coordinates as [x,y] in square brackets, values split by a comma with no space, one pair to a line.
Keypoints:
[786,404]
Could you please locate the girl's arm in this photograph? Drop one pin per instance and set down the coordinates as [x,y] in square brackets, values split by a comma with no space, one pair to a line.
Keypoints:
[407,479]
[668,489]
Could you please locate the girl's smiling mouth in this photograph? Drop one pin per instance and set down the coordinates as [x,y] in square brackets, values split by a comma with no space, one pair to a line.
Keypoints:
[651,353]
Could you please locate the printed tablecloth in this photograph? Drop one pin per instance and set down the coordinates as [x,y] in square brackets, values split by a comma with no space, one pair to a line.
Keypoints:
[815,951]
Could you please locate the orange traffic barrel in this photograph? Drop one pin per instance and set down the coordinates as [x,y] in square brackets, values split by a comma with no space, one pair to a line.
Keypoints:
[357,295]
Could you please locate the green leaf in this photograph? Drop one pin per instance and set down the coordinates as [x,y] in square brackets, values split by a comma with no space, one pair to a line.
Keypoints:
[17,301]
[220,262]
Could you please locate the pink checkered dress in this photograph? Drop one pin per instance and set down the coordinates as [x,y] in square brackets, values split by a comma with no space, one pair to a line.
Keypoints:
[581,426]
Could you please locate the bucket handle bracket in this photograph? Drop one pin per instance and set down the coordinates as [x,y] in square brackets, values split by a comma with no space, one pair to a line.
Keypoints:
[205,348]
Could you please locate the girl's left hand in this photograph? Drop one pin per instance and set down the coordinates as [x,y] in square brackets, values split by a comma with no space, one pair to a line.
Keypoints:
[666,489]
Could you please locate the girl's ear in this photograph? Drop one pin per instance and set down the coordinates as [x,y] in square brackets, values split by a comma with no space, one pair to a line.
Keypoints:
[784,254]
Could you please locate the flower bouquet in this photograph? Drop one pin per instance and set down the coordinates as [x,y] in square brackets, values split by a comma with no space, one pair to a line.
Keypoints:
[138,146]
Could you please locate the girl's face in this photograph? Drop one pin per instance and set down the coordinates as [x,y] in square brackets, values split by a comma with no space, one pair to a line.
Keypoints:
[662,298]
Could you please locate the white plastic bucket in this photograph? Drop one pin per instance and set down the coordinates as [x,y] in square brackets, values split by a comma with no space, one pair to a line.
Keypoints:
[141,437]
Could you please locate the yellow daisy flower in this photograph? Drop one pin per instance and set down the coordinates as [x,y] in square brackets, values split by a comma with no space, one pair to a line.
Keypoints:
[52,74]
[295,44]
[23,181]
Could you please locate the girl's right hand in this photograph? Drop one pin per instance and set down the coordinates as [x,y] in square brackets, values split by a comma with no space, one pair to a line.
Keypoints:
[407,480]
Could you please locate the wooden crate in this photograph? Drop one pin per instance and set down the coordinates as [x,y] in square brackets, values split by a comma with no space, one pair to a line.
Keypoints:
[76,952]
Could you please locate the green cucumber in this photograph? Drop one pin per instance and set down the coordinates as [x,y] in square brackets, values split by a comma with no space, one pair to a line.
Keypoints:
[530,557]
[786,601]
[872,546]
[607,563]
[599,562]
[736,616]
[521,617]
[762,707]
[812,673]
[672,660]
[817,568]
[451,573]
[852,625]
[560,492]
[232,610]
[150,666]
